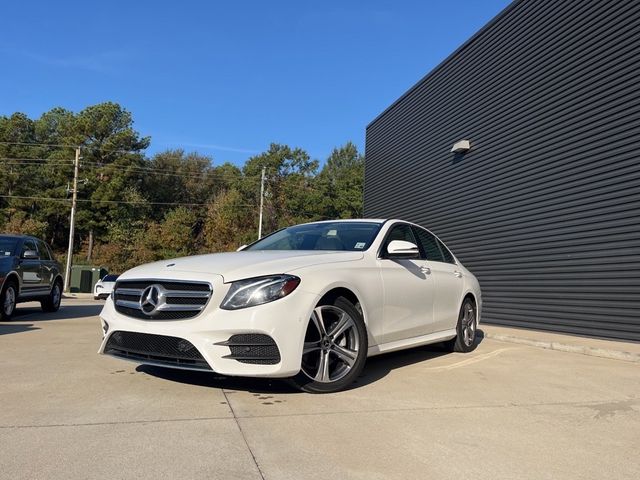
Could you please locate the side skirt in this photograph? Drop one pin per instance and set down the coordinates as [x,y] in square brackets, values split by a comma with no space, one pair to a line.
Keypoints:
[411,342]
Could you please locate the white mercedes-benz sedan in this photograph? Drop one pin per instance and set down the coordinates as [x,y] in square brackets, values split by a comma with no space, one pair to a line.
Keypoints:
[309,302]
[103,287]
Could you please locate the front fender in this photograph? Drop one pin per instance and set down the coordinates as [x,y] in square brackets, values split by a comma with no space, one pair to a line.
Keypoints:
[364,285]
[14,275]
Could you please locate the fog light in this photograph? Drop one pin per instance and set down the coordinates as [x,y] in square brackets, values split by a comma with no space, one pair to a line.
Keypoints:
[105,327]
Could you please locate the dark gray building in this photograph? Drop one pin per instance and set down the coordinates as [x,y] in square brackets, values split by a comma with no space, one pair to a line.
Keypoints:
[545,206]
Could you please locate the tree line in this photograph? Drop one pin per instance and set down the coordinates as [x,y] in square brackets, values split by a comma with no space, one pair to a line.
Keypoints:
[134,209]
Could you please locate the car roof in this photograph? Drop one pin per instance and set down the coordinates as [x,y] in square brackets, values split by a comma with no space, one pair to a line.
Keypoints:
[351,220]
[17,235]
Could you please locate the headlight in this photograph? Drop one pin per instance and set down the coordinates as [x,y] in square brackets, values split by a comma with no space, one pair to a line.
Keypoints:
[256,291]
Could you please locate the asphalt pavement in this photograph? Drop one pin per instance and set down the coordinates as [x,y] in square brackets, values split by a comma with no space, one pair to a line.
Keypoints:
[507,410]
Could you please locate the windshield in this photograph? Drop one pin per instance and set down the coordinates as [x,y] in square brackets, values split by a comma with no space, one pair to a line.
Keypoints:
[110,278]
[7,246]
[342,236]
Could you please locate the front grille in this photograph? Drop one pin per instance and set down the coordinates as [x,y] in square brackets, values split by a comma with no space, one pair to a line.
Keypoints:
[160,299]
[254,348]
[159,349]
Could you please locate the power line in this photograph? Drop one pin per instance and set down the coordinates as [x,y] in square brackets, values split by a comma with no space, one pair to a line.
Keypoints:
[36,144]
[55,162]
[36,159]
[154,170]
[62,145]
[100,164]
[158,169]
[127,202]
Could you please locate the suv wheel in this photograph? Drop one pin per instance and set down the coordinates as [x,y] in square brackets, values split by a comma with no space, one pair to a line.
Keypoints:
[52,302]
[8,300]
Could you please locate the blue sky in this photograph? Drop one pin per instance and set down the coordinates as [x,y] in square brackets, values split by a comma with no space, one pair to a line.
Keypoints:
[227,78]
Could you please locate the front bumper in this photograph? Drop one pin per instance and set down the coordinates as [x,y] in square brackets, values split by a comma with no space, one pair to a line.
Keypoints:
[284,320]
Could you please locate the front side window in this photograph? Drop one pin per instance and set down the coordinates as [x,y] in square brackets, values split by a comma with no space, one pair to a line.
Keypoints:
[398,232]
[339,236]
[429,245]
[28,244]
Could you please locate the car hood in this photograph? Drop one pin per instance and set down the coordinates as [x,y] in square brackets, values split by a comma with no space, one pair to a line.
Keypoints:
[238,265]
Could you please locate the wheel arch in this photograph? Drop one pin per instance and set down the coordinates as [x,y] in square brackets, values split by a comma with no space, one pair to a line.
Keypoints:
[350,293]
[341,292]
[12,275]
[472,295]
[58,279]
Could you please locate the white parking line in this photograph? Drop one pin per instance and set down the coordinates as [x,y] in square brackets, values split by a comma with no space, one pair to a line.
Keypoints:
[472,360]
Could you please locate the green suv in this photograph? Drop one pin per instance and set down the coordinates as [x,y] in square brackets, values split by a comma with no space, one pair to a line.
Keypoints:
[28,272]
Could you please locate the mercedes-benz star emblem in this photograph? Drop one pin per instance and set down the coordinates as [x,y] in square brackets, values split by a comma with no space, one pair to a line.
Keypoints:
[151,299]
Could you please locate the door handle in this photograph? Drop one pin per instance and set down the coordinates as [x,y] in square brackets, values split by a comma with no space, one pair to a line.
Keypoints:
[457,273]
[425,270]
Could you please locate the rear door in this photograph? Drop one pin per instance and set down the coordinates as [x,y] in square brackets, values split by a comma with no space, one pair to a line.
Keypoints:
[408,291]
[447,277]
[47,265]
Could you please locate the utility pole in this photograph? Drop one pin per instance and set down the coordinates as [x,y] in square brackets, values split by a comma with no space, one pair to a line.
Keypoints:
[261,203]
[72,222]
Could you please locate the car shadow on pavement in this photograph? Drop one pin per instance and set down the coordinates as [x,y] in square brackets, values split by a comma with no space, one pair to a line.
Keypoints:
[214,380]
[375,369]
[66,312]
[6,328]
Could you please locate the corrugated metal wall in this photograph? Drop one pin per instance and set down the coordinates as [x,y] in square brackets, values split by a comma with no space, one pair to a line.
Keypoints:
[545,208]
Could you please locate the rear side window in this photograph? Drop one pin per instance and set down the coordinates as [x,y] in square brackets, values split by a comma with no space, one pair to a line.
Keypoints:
[429,245]
[7,246]
[44,251]
[448,256]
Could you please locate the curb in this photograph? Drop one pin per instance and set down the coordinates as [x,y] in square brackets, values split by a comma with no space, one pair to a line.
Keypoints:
[564,347]
[78,296]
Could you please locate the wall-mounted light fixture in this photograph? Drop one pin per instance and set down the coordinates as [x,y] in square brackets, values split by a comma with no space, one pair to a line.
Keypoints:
[461,146]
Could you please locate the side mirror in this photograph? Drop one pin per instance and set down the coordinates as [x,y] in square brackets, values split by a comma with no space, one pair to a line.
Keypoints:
[402,249]
[30,255]
[241,248]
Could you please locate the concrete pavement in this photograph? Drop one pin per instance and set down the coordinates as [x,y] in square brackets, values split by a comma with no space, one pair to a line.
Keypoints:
[504,411]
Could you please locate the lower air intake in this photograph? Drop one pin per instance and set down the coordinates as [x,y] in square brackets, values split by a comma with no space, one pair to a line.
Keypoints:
[254,348]
[157,349]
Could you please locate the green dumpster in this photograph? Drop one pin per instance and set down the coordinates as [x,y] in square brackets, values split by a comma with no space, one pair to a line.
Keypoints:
[84,277]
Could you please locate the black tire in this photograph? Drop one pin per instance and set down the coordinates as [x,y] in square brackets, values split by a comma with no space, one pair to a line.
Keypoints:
[466,328]
[52,302]
[344,353]
[8,300]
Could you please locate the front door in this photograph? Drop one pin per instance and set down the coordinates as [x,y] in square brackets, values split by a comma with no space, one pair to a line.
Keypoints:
[408,291]
[29,270]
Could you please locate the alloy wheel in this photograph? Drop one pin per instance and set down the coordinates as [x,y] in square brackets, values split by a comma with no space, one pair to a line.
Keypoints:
[9,301]
[56,296]
[331,344]
[469,324]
